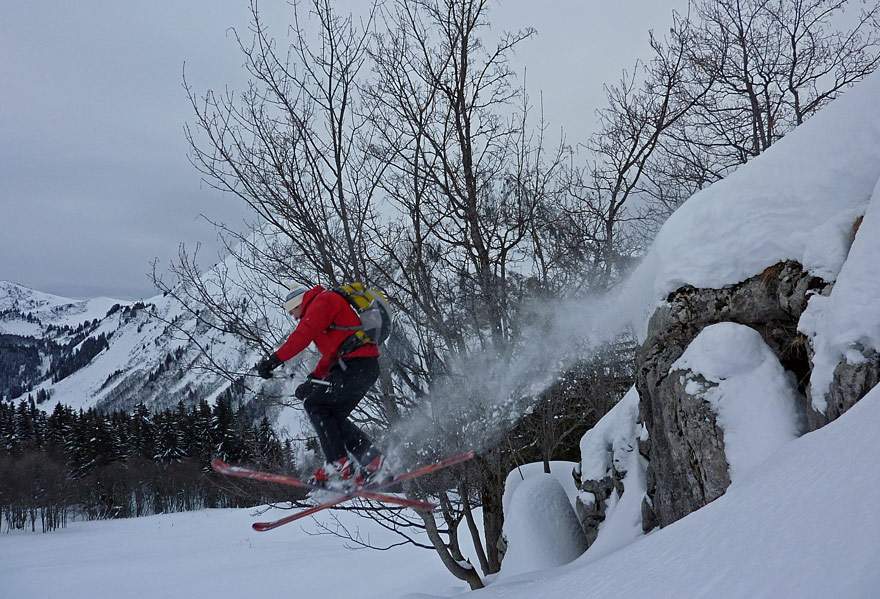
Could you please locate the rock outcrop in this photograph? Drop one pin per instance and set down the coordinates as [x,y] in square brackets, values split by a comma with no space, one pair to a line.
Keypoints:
[685,448]
[682,439]
[853,378]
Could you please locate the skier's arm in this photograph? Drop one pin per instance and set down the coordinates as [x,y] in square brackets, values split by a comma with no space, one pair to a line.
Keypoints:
[318,317]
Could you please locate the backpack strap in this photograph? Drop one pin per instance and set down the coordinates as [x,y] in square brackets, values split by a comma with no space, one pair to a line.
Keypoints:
[360,338]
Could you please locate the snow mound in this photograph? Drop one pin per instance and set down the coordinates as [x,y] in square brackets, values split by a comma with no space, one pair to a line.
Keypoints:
[541,527]
[754,399]
[848,320]
[559,469]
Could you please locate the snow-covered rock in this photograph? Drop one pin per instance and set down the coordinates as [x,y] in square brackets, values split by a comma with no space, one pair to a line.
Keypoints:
[844,327]
[720,410]
[754,401]
[797,201]
[796,226]
[607,452]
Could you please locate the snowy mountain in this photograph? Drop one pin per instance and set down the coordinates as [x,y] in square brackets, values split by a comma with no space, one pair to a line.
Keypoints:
[46,310]
[107,353]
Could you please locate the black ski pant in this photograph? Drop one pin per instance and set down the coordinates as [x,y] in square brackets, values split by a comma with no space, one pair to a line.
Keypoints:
[329,407]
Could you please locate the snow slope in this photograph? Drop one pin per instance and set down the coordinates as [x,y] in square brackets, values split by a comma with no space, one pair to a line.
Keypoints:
[796,201]
[803,526]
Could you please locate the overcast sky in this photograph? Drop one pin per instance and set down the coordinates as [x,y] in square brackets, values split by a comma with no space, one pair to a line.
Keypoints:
[94,178]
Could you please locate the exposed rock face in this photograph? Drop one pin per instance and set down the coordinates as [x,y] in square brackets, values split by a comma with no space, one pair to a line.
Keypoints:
[687,465]
[852,380]
[592,514]
[684,445]
[771,303]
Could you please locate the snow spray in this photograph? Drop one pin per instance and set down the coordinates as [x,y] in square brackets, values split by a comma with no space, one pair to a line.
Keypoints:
[490,392]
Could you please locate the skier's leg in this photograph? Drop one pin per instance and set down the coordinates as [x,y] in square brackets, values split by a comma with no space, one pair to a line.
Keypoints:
[357,443]
[353,383]
[328,408]
[319,408]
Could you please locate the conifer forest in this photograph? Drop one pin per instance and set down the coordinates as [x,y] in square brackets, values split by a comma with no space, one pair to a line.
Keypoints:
[94,465]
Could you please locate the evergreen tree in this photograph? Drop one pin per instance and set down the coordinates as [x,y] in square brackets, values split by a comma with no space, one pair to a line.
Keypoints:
[143,433]
[7,426]
[271,454]
[59,426]
[223,435]
[24,438]
[200,446]
[170,444]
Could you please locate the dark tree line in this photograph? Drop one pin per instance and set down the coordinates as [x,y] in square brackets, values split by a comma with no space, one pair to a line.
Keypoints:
[94,465]
[80,357]
[21,357]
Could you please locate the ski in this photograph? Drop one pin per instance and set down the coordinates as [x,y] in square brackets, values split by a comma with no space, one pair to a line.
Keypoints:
[373,490]
[223,468]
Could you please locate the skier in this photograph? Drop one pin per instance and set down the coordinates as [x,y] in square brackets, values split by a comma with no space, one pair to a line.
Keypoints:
[339,381]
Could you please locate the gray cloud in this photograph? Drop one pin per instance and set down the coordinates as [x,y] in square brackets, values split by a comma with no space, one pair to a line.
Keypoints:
[94,180]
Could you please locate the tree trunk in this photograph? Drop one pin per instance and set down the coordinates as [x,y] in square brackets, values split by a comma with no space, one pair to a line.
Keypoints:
[472,527]
[493,513]
[461,570]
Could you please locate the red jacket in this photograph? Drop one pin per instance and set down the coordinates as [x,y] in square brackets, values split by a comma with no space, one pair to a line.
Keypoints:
[320,309]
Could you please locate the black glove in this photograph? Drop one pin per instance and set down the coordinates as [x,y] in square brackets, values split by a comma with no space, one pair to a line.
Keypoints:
[307,388]
[266,366]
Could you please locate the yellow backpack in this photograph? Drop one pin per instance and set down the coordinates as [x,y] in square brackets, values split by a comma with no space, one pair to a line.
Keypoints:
[373,310]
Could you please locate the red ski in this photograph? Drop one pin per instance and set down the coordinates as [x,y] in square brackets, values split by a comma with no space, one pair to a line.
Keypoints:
[352,493]
[369,492]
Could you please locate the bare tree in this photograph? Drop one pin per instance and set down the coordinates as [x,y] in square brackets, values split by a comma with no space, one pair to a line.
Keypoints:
[774,63]
[469,182]
[294,147]
[640,110]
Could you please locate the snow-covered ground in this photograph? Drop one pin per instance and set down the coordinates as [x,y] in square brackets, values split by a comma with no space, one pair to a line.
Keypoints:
[211,553]
[803,525]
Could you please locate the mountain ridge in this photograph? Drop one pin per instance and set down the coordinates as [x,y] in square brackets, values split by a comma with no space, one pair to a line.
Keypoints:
[105,353]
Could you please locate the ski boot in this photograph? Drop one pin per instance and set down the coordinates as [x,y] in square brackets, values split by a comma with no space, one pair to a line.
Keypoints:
[376,472]
[336,474]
